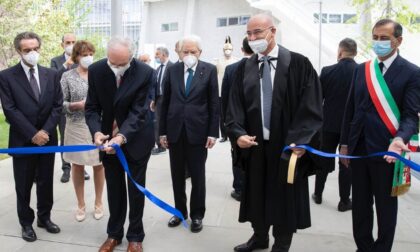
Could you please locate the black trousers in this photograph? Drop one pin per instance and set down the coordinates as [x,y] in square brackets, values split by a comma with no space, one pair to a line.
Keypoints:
[62,128]
[329,143]
[372,182]
[282,240]
[222,121]
[238,174]
[24,170]
[117,197]
[183,154]
[158,106]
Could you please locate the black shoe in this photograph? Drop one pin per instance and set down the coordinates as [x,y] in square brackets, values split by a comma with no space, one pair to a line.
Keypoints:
[223,140]
[174,221]
[66,176]
[28,234]
[344,205]
[251,245]
[317,198]
[196,225]
[87,177]
[236,195]
[49,226]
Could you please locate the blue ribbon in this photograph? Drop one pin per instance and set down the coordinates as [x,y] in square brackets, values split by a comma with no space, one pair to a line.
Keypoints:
[411,164]
[120,154]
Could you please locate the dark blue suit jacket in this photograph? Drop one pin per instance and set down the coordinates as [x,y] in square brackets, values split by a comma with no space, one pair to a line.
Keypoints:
[128,105]
[24,113]
[361,118]
[336,80]
[199,112]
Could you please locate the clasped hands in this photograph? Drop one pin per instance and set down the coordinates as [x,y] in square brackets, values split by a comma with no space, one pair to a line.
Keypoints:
[40,138]
[246,141]
[164,142]
[102,140]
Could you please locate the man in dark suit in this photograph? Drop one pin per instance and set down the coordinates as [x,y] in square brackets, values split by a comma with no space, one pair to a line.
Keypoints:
[335,81]
[117,107]
[162,59]
[189,125]
[367,129]
[62,63]
[32,101]
[228,79]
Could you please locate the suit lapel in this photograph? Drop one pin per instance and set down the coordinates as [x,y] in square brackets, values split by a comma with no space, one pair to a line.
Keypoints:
[22,79]
[252,80]
[181,80]
[43,81]
[393,71]
[280,78]
[198,75]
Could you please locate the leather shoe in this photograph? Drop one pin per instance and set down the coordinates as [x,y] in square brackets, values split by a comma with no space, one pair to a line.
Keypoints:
[49,226]
[196,225]
[109,245]
[28,234]
[344,205]
[236,195]
[317,198]
[87,176]
[251,245]
[135,247]
[174,221]
[66,176]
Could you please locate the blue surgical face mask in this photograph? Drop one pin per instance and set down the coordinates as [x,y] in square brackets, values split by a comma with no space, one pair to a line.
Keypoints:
[157,60]
[382,48]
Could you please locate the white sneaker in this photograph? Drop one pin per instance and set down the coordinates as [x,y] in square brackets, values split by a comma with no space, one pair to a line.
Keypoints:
[81,214]
[98,213]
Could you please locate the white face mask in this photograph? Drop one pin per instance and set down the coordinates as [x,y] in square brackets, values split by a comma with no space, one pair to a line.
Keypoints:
[31,58]
[228,52]
[86,61]
[190,60]
[119,70]
[259,45]
[68,49]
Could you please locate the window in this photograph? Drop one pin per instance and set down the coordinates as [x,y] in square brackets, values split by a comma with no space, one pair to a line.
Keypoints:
[233,20]
[169,27]
[334,18]
[349,18]
[324,18]
[221,22]
[244,20]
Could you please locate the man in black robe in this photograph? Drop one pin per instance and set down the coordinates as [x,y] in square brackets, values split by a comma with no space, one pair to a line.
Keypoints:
[262,119]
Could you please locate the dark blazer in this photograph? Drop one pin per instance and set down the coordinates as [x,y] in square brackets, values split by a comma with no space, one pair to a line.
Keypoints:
[128,105]
[163,78]
[24,113]
[336,81]
[57,62]
[228,78]
[199,112]
[361,118]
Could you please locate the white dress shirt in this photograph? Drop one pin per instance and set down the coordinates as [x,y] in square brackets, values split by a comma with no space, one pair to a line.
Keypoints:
[28,74]
[186,73]
[163,72]
[273,53]
[388,62]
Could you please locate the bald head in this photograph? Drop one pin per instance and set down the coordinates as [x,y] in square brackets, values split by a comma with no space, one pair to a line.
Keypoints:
[145,58]
[262,19]
[260,27]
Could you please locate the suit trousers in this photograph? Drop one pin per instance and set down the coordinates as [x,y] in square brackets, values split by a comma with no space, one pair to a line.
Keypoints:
[62,127]
[183,154]
[372,182]
[329,143]
[117,197]
[238,174]
[222,120]
[282,240]
[24,170]
[156,120]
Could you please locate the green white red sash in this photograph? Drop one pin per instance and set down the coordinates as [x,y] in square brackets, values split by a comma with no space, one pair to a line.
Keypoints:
[381,96]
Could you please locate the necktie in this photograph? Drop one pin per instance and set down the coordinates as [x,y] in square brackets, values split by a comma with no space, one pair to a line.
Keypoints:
[34,83]
[119,80]
[189,80]
[267,91]
[381,66]
[160,79]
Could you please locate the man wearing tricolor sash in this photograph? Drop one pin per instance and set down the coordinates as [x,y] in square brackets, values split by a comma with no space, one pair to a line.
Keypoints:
[380,115]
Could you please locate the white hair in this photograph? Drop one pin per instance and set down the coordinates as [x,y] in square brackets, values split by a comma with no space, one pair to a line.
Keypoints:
[127,42]
[191,38]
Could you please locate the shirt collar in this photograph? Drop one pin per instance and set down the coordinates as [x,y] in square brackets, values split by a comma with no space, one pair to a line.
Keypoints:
[27,68]
[388,62]
[273,53]
[193,68]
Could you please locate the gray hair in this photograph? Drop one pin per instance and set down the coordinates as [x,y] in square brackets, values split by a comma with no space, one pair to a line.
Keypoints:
[127,42]
[163,50]
[25,35]
[190,38]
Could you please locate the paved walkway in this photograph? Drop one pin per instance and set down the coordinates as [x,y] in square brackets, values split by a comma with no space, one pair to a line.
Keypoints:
[330,231]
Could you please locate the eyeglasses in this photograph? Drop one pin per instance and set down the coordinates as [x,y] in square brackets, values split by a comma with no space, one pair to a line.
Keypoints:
[28,50]
[257,32]
[190,52]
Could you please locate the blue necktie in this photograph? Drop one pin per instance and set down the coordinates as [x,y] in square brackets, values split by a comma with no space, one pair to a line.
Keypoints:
[267,92]
[189,80]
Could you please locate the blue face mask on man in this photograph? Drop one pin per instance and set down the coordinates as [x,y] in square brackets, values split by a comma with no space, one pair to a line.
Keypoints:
[382,48]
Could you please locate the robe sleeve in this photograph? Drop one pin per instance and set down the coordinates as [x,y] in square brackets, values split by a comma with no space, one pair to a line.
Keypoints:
[307,118]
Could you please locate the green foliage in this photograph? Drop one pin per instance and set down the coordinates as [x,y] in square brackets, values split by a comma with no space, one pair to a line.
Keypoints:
[4,134]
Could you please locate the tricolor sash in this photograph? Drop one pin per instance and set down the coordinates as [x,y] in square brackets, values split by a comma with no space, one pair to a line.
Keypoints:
[390,114]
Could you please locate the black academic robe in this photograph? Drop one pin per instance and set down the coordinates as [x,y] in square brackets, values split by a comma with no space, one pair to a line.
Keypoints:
[296,116]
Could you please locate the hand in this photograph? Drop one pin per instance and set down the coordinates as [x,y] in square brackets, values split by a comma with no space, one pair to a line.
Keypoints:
[246,141]
[69,62]
[76,106]
[152,106]
[298,151]
[344,151]
[118,140]
[397,146]
[40,138]
[99,138]
[210,143]
[164,142]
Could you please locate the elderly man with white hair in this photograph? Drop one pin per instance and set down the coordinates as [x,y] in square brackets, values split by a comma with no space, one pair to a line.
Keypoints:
[189,126]
[117,113]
